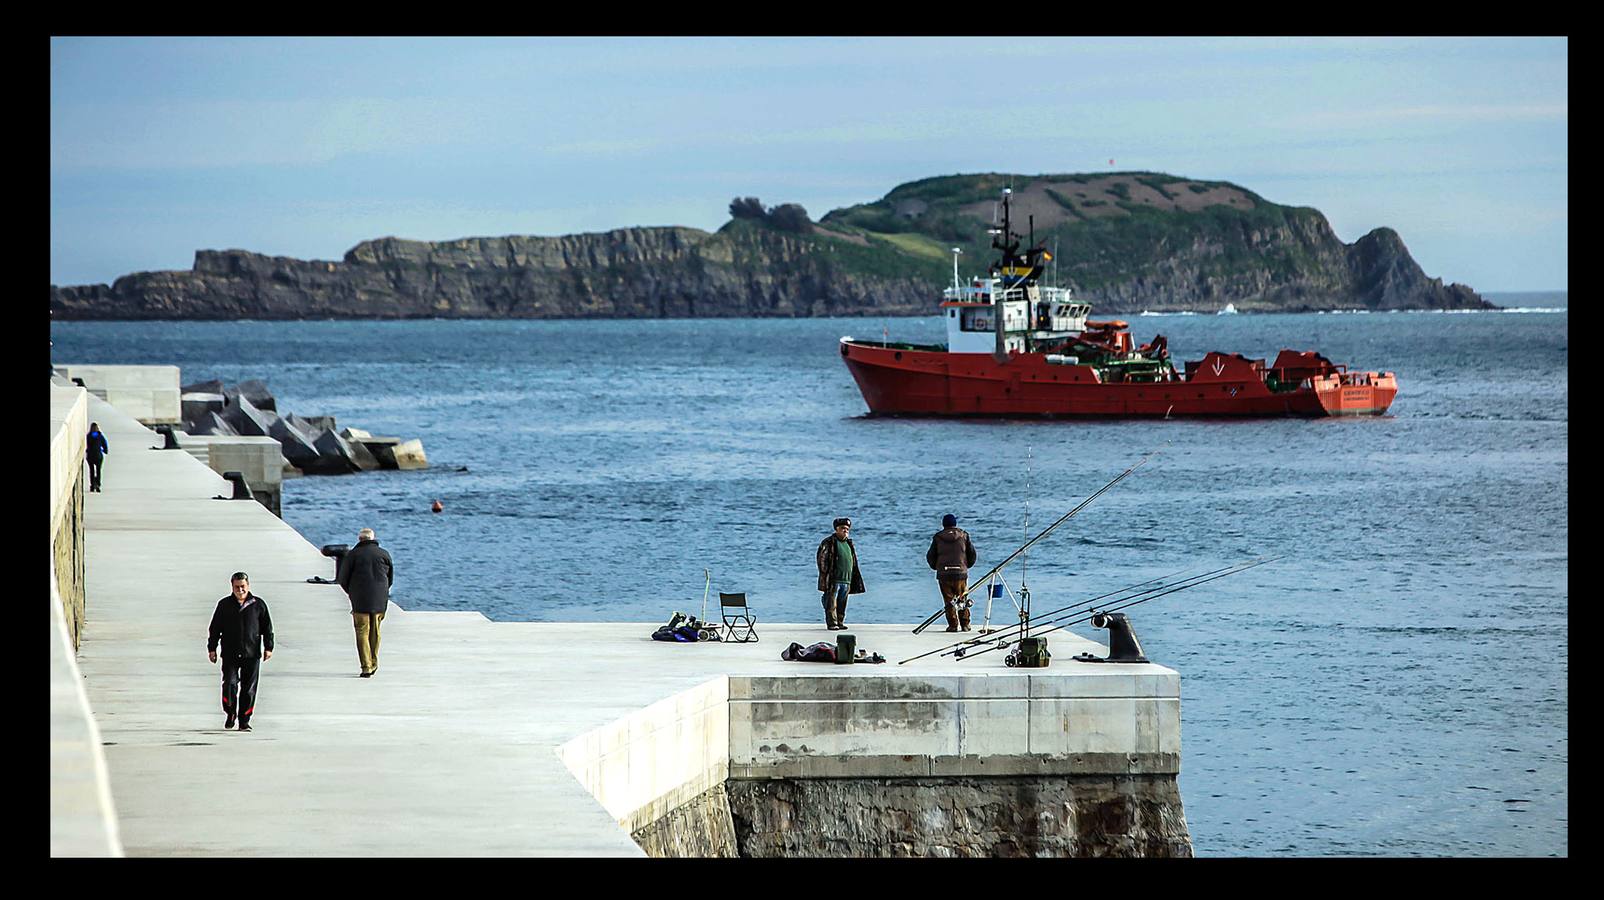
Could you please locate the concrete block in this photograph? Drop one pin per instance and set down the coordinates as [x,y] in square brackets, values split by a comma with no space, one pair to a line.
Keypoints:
[409,455]
[333,456]
[194,406]
[256,392]
[297,447]
[994,727]
[204,387]
[1102,725]
[211,423]
[318,423]
[258,457]
[147,394]
[1067,678]
[245,418]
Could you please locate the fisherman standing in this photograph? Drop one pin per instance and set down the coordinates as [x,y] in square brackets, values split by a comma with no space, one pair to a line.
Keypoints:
[951,554]
[838,573]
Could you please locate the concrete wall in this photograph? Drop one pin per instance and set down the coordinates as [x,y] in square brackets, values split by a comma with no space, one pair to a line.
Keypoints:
[1084,762]
[1122,721]
[149,394]
[69,429]
[83,821]
[647,764]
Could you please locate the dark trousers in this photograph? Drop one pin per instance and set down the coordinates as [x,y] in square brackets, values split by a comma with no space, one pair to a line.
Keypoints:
[94,474]
[957,611]
[835,604]
[239,686]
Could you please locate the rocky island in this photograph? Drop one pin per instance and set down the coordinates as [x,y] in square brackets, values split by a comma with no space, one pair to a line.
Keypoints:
[1126,242]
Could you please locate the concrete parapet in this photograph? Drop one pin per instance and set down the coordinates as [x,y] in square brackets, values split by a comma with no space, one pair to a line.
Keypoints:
[69,430]
[147,394]
[83,821]
[645,765]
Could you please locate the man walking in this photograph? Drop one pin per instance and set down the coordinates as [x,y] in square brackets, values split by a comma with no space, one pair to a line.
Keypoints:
[366,574]
[951,554]
[838,573]
[95,453]
[242,623]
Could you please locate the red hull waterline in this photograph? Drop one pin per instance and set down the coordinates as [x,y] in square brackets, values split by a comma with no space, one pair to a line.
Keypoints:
[914,381]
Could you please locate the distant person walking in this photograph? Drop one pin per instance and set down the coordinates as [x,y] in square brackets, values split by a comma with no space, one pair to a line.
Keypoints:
[95,453]
[242,624]
[951,554]
[366,574]
[839,576]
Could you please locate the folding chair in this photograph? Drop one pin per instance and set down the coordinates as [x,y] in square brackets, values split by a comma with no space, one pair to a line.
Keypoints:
[740,626]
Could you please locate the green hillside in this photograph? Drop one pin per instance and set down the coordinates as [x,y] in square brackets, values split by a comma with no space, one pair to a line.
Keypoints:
[1108,227]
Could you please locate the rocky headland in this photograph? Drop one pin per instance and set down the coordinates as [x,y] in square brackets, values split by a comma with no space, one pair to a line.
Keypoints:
[1126,242]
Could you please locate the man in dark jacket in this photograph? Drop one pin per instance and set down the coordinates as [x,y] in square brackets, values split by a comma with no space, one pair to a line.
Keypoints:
[95,454]
[242,624]
[366,573]
[951,554]
[838,573]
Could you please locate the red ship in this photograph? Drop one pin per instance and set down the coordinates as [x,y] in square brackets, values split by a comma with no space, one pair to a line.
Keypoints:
[1016,347]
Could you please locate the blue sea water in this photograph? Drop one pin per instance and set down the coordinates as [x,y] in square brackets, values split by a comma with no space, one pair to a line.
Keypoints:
[1396,685]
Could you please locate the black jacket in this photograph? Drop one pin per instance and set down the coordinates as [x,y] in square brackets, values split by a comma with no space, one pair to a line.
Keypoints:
[244,631]
[366,574]
[97,447]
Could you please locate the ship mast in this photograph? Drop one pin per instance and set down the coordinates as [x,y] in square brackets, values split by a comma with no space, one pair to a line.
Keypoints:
[1009,247]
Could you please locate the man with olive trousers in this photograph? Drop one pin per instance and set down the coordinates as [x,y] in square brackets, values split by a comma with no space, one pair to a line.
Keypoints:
[366,574]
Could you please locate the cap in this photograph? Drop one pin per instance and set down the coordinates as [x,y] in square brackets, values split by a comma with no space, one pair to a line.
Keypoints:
[843,521]
[949,520]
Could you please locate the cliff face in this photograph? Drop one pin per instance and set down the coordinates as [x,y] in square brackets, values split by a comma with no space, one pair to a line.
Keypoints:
[1130,242]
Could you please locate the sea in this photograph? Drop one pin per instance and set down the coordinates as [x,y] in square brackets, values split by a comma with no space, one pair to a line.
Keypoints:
[1395,684]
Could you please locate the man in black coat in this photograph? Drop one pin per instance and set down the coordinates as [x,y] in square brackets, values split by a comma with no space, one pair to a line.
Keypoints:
[366,574]
[244,627]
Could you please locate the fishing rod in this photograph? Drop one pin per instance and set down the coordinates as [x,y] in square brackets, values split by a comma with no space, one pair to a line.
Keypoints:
[1062,519]
[1080,609]
[1043,617]
[1092,614]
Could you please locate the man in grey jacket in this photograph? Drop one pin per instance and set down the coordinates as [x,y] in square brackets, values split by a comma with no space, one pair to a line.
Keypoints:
[366,574]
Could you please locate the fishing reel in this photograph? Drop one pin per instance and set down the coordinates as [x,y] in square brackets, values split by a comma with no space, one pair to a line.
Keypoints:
[1122,644]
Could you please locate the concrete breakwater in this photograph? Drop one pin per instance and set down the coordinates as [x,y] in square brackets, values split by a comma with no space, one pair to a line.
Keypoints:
[566,739]
[238,429]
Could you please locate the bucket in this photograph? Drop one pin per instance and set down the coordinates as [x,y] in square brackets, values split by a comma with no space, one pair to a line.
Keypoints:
[846,647]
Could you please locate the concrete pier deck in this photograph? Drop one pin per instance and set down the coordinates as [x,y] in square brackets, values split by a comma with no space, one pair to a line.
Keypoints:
[504,739]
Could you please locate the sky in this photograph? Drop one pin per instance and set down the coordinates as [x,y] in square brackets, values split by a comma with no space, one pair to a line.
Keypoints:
[306,147]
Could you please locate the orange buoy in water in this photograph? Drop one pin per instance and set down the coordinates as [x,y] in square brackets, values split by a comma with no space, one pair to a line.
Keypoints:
[437,506]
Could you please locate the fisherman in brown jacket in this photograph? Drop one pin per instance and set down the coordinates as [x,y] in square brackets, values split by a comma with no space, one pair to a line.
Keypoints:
[839,576]
[951,554]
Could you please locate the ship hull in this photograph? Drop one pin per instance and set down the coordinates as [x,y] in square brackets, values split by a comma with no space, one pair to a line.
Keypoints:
[910,381]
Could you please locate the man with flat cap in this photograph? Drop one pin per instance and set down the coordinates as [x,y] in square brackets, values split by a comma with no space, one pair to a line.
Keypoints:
[838,573]
[951,554]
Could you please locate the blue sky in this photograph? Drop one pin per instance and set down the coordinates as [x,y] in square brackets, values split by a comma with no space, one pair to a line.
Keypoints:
[304,147]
